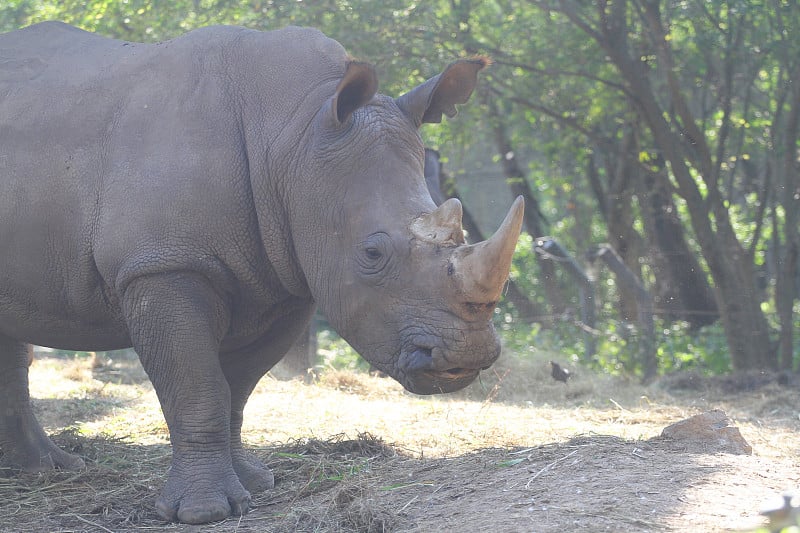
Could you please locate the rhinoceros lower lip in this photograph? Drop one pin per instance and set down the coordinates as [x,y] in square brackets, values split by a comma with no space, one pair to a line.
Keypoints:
[453,373]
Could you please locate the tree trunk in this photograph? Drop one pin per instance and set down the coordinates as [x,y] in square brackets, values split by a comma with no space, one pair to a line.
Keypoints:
[533,221]
[684,291]
[617,201]
[731,267]
[786,289]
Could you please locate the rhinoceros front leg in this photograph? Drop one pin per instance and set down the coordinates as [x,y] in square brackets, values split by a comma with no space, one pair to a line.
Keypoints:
[23,441]
[176,322]
[254,475]
[243,369]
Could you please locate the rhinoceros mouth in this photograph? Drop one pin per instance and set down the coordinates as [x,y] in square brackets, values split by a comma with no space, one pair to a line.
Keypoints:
[440,381]
[453,373]
[424,375]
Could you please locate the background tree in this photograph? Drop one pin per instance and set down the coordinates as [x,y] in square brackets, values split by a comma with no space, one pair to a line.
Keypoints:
[667,128]
[600,67]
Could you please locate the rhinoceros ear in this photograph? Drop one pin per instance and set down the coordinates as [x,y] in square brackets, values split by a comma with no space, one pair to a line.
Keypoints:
[440,94]
[356,88]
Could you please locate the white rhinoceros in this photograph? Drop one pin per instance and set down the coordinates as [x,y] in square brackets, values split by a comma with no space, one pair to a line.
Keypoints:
[195,199]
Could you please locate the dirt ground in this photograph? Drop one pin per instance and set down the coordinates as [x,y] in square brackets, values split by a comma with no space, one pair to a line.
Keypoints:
[515,452]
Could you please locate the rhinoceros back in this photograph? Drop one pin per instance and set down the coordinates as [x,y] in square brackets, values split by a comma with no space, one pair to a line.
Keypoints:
[45,207]
[123,157]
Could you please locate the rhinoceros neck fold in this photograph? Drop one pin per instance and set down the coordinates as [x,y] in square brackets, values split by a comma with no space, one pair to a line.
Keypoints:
[279,96]
[277,239]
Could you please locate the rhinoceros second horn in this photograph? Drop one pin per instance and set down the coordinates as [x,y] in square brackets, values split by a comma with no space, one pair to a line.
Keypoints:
[442,226]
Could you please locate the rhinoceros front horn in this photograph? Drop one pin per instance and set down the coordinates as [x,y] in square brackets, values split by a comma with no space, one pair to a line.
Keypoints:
[481,269]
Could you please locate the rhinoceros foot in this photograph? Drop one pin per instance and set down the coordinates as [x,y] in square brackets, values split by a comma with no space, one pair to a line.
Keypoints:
[253,474]
[201,490]
[37,453]
[24,443]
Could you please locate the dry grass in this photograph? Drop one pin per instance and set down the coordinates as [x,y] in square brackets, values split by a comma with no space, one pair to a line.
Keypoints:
[517,451]
[116,488]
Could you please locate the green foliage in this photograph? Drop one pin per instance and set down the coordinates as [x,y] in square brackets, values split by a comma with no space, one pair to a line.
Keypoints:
[678,348]
[336,353]
[71,354]
[682,349]
[618,344]
[563,103]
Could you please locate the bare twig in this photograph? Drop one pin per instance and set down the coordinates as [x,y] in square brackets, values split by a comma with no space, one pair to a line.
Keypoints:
[548,467]
[95,524]
[617,405]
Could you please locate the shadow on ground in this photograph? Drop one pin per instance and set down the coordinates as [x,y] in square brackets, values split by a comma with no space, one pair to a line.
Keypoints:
[588,483]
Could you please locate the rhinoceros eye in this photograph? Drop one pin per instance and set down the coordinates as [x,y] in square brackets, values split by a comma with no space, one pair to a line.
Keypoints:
[373,254]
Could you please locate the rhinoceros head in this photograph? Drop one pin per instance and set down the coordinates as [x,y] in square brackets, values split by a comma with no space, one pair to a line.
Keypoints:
[390,270]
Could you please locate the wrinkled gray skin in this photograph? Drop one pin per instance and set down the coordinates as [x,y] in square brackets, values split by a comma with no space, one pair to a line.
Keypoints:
[194,199]
[432,172]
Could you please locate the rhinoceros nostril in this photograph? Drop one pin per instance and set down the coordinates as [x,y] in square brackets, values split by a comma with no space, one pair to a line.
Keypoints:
[419,359]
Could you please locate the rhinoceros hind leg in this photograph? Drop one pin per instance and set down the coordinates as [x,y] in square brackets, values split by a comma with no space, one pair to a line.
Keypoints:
[253,474]
[243,370]
[24,443]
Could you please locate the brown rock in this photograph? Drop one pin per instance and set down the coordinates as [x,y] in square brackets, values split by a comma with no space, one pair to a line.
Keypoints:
[708,432]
